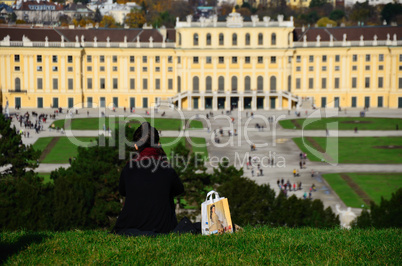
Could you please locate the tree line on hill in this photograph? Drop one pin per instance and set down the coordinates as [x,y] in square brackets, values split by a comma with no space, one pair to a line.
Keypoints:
[85,196]
[164,13]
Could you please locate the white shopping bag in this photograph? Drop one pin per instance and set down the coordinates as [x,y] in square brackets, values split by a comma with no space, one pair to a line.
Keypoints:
[215,215]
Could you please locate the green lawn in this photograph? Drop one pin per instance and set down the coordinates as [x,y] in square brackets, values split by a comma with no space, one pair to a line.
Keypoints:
[64,148]
[41,143]
[376,185]
[169,143]
[357,150]
[97,123]
[46,177]
[346,123]
[202,146]
[254,246]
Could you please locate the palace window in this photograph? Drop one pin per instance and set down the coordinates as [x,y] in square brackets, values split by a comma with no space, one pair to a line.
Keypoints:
[380,82]
[247,39]
[310,83]
[132,84]
[55,84]
[234,39]
[273,39]
[157,84]
[336,83]
[354,82]
[39,83]
[195,39]
[367,82]
[260,83]
[89,83]
[298,83]
[115,83]
[208,84]
[323,83]
[260,39]
[221,39]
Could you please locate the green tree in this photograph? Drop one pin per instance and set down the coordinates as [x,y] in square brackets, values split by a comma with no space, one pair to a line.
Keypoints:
[98,16]
[249,203]
[13,17]
[390,12]
[337,15]
[317,3]
[135,19]
[15,156]
[363,12]
[196,181]
[323,22]
[163,18]
[93,178]
[26,202]
[108,22]
[386,215]
[296,212]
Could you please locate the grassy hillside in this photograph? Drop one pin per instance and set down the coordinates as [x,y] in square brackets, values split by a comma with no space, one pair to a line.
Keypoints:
[343,123]
[252,246]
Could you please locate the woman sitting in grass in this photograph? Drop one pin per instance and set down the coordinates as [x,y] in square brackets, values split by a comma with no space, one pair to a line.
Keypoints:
[149,184]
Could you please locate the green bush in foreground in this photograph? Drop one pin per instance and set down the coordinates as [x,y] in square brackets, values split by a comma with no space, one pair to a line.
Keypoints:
[386,215]
[253,246]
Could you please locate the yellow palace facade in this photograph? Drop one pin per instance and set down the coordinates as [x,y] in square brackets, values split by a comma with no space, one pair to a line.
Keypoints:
[258,64]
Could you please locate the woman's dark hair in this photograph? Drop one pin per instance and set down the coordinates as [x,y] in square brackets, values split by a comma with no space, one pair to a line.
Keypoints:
[210,212]
[146,136]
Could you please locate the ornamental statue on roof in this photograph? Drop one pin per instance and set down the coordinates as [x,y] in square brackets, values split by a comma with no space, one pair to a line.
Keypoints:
[234,20]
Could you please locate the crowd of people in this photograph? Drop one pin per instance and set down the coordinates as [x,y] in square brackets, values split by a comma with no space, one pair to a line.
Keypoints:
[31,121]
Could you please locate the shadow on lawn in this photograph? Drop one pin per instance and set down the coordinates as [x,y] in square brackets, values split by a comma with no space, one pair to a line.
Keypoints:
[8,249]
